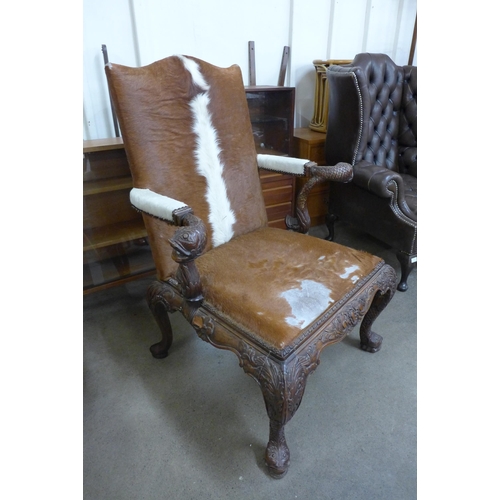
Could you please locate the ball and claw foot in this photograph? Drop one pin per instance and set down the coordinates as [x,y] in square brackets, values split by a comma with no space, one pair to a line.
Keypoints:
[277,461]
[373,343]
[277,453]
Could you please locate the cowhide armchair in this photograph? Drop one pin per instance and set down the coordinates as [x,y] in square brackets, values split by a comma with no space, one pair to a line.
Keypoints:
[372,124]
[273,297]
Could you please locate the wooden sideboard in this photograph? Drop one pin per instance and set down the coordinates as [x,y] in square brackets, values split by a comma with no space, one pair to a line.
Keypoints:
[311,145]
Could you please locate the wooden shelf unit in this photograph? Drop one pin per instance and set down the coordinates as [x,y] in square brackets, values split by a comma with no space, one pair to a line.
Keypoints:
[115,247]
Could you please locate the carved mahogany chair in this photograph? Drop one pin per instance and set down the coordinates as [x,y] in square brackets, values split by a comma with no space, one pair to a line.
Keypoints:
[273,297]
[372,123]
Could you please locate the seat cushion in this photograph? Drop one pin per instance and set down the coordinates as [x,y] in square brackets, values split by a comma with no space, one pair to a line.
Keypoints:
[274,284]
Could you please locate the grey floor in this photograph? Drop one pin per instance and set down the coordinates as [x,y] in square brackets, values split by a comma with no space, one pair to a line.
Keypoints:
[194,426]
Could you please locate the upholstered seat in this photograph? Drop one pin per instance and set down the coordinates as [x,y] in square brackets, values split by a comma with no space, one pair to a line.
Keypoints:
[278,295]
[273,297]
[372,123]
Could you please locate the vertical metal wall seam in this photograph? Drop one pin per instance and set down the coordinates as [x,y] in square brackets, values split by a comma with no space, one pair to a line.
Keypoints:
[135,34]
[398,29]
[366,27]
[291,11]
[329,40]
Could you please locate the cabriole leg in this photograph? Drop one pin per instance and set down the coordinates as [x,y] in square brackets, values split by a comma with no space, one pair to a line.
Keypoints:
[160,308]
[371,341]
[282,384]
[406,268]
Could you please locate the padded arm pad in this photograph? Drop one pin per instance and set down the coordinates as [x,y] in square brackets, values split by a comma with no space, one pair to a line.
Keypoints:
[155,204]
[283,164]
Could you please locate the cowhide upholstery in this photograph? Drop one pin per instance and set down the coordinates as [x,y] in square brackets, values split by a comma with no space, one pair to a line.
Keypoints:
[204,157]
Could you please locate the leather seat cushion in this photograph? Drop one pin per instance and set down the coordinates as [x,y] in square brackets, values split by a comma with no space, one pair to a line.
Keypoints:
[275,283]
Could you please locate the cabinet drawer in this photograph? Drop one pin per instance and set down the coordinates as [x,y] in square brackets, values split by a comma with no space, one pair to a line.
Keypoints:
[277,195]
[276,215]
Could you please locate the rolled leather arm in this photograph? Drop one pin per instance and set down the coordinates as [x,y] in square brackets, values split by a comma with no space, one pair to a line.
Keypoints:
[377,180]
[341,172]
[382,182]
[187,243]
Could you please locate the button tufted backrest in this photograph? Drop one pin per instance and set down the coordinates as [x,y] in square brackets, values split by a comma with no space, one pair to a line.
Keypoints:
[381,87]
[408,113]
[408,123]
[373,113]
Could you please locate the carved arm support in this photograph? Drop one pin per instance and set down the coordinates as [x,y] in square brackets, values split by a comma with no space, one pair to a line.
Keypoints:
[187,243]
[341,172]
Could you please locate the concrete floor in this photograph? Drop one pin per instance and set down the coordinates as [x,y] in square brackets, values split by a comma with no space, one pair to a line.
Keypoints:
[194,426]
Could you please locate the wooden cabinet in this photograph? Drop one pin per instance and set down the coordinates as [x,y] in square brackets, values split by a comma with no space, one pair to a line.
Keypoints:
[115,246]
[310,145]
[272,114]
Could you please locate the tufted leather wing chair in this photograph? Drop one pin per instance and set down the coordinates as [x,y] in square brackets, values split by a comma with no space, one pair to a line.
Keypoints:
[372,124]
[275,298]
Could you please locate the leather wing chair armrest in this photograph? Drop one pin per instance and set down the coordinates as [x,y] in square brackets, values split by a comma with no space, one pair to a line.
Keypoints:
[187,243]
[341,172]
[382,182]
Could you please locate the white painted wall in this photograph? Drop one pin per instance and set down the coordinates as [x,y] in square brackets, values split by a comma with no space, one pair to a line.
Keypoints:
[139,32]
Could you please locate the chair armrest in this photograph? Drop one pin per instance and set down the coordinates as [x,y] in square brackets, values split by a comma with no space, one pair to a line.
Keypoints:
[341,172]
[382,182]
[188,242]
[282,164]
[377,180]
[155,204]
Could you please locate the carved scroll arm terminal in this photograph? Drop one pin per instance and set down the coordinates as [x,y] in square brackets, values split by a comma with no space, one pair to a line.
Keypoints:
[187,243]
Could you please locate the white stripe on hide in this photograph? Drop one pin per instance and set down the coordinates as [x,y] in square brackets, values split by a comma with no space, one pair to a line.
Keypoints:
[208,163]
[194,69]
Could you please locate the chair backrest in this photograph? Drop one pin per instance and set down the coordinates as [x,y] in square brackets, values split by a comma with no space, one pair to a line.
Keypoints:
[407,138]
[187,134]
[408,114]
[365,100]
